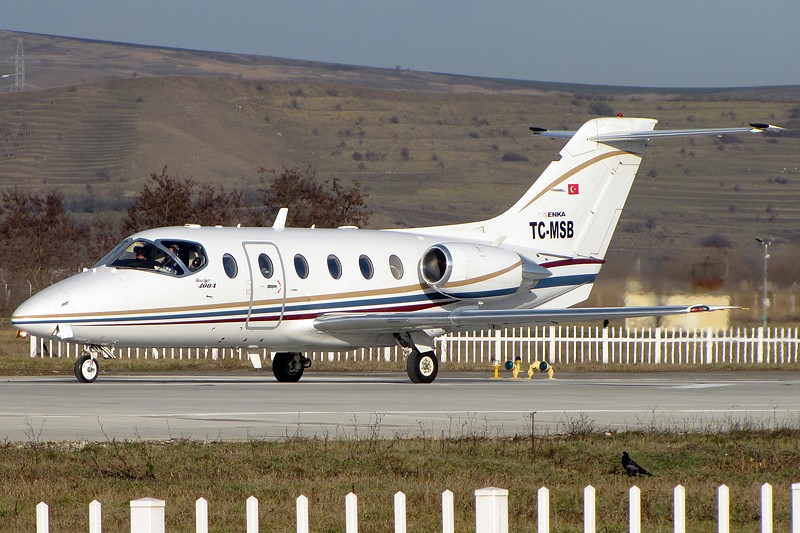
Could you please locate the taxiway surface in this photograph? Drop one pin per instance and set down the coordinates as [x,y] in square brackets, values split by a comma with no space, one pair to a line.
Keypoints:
[226,407]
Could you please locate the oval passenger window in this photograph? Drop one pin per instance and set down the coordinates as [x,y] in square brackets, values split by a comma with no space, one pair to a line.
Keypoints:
[365,264]
[334,266]
[396,266]
[230,266]
[265,266]
[301,266]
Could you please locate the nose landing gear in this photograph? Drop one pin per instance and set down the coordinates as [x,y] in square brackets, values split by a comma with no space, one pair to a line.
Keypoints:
[86,366]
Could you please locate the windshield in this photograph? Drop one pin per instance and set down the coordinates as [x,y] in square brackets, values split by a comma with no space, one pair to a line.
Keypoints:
[172,257]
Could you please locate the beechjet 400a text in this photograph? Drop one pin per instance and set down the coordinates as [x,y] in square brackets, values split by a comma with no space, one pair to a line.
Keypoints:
[292,289]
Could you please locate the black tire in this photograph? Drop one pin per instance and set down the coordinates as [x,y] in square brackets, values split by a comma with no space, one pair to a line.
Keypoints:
[422,367]
[86,369]
[287,367]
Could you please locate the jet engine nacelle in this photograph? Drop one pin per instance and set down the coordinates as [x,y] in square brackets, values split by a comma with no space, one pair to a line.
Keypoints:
[472,271]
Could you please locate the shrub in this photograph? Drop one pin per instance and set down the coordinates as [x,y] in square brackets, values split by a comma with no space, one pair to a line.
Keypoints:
[513,156]
[602,109]
[716,240]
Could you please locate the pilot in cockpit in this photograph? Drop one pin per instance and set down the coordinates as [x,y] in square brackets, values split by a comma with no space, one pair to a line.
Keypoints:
[143,259]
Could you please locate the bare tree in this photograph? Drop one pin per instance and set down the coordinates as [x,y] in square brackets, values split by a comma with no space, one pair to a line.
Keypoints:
[164,201]
[168,201]
[39,243]
[327,204]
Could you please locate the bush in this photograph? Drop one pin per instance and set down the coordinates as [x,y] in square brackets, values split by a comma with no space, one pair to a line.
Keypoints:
[513,156]
[716,240]
[602,109]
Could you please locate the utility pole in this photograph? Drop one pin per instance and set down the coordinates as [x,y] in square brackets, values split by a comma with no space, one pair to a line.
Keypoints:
[764,299]
[19,69]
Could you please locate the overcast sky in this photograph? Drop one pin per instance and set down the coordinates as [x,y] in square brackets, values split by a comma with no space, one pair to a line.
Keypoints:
[670,43]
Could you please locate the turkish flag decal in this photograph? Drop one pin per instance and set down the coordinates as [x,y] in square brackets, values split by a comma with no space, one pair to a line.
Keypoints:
[572,188]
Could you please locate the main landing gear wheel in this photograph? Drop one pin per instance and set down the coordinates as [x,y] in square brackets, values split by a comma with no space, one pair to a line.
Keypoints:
[422,367]
[288,366]
[86,369]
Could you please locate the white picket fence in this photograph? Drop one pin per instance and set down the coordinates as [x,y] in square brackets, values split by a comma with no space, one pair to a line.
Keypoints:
[491,512]
[564,345]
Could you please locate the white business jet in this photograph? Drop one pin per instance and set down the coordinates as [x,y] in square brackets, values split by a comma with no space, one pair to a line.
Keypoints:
[292,289]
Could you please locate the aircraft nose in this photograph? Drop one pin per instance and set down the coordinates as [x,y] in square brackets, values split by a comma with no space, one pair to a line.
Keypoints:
[39,314]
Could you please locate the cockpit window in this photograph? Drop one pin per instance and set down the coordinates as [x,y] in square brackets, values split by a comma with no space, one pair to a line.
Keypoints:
[172,257]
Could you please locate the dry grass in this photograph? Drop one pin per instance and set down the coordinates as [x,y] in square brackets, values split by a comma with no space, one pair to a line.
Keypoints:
[69,476]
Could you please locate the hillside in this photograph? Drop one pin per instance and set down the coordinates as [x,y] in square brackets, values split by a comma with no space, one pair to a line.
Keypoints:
[429,148]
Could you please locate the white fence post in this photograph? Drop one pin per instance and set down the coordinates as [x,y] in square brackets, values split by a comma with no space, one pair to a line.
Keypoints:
[635,509]
[201,515]
[147,515]
[724,509]
[252,514]
[42,518]
[709,346]
[657,345]
[399,512]
[491,510]
[543,510]
[589,509]
[302,514]
[795,507]
[766,508]
[448,512]
[95,517]
[498,346]
[351,513]
[679,509]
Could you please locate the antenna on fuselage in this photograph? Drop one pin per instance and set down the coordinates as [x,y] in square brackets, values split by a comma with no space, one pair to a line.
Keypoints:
[280,220]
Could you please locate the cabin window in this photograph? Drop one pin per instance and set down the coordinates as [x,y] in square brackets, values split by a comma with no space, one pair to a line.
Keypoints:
[265,266]
[301,266]
[396,266]
[365,264]
[334,266]
[230,266]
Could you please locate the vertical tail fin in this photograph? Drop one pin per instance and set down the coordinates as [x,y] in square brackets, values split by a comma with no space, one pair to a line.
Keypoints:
[573,208]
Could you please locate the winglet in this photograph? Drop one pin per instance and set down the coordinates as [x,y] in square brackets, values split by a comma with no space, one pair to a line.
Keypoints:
[280,220]
[544,132]
[758,127]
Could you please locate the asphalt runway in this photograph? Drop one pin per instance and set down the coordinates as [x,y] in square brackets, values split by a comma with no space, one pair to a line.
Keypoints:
[360,406]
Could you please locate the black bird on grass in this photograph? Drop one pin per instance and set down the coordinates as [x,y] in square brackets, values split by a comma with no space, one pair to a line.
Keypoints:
[631,468]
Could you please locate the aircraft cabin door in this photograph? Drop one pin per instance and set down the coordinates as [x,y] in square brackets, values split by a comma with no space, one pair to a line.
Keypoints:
[266,286]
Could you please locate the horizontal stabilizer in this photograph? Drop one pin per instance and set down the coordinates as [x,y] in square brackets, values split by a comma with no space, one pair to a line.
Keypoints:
[755,127]
[478,318]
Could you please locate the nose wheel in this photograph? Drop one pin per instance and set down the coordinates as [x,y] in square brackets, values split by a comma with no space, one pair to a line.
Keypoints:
[86,369]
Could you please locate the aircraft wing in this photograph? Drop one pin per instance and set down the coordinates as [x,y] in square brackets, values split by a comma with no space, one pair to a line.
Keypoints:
[483,319]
